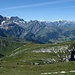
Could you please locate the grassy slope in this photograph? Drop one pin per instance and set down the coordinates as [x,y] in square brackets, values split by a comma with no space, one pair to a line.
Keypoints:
[19,61]
[6,46]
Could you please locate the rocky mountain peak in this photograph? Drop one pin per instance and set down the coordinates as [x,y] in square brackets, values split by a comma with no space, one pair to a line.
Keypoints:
[37,31]
[16,19]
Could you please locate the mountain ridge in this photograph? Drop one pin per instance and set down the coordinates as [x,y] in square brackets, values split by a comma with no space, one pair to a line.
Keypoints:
[37,31]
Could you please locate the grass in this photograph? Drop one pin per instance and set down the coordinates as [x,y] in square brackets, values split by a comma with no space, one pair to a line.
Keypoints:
[6,46]
[23,62]
[18,69]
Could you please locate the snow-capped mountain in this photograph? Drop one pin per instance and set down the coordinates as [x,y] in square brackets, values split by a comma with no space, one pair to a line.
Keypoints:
[37,31]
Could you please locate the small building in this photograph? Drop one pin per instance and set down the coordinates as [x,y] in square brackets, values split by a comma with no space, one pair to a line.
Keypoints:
[72,55]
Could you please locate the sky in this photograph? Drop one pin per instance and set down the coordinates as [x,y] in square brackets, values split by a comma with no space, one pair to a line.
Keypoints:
[48,10]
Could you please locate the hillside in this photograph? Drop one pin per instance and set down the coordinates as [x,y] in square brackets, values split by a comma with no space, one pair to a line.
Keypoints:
[8,45]
[37,31]
[38,59]
[43,53]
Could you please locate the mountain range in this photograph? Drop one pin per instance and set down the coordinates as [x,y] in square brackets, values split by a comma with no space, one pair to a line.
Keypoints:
[37,31]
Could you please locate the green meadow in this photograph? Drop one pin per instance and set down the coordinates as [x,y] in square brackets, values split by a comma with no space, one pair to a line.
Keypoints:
[37,59]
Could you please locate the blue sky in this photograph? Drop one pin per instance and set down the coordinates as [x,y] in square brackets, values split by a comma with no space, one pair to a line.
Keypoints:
[49,10]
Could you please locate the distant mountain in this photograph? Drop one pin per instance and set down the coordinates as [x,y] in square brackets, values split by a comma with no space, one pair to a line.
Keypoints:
[37,31]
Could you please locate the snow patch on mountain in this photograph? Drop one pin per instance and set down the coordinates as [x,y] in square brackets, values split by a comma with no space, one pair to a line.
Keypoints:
[3,22]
